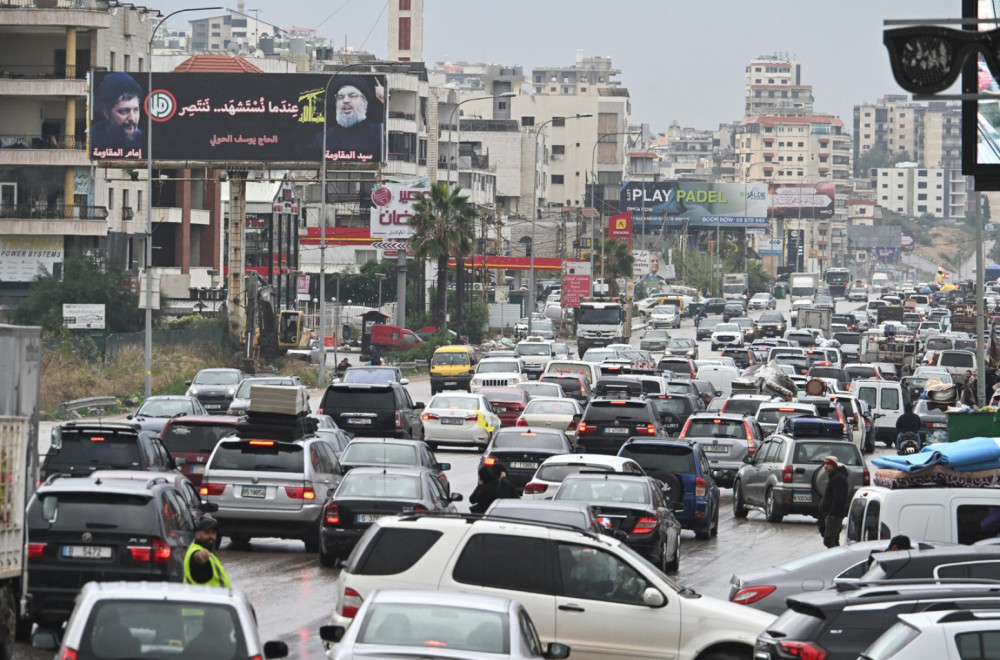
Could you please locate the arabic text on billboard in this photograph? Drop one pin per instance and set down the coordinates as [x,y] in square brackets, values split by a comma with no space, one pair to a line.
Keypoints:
[575,282]
[698,204]
[805,200]
[392,207]
[23,258]
[256,117]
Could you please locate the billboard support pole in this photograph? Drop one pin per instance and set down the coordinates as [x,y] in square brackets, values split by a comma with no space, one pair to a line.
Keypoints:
[980,302]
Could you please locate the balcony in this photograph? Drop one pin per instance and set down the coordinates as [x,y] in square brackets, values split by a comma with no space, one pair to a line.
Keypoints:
[19,150]
[42,80]
[404,156]
[55,13]
[40,219]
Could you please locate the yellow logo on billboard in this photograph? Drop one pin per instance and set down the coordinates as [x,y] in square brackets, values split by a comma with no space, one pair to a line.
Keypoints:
[621,223]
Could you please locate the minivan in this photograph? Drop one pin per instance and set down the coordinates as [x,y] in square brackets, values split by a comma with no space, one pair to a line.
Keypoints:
[452,368]
[956,362]
[885,398]
[394,337]
[951,515]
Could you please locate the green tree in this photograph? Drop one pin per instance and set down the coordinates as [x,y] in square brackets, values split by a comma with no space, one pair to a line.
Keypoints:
[442,226]
[87,279]
[878,157]
[612,261]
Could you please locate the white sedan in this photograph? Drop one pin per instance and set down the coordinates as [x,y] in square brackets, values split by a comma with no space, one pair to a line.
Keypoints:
[563,414]
[459,419]
[550,474]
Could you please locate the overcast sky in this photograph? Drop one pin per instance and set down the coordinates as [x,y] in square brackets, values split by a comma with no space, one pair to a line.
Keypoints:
[681,60]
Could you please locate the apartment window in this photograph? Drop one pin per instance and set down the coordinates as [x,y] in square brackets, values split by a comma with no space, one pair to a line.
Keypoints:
[565,80]
[566,90]
[922,197]
[801,144]
[216,26]
[899,198]
[899,185]
[553,89]
[801,159]
[138,201]
[140,64]
[111,198]
[502,105]
[404,5]
[111,61]
[538,79]
[128,62]
[527,121]
[557,179]
[558,121]
[125,197]
[921,184]
[558,149]
[922,208]
[583,89]
[404,32]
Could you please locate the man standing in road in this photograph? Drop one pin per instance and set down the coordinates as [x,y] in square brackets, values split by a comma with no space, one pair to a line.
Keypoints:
[201,566]
[833,506]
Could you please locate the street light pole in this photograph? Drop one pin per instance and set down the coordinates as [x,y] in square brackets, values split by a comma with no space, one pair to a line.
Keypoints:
[600,214]
[451,123]
[380,277]
[532,294]
[149,196]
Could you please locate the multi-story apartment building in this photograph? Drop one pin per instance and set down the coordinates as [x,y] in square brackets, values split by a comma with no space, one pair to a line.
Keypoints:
[686,153]
[928,134]
[774,87]
[915,191]
[52,200]
[583,78]
[232,32]
[943,136]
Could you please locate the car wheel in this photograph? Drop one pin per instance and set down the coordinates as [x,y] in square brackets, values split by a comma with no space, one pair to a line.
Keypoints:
[771,510]
[22,632]
[675,562]
[312,542]
[715,347]
[434,390]
[239,540]
[327,559]
[740,509]
[715,521]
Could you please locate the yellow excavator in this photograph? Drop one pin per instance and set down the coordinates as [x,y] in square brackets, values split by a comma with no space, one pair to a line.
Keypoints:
[270,331]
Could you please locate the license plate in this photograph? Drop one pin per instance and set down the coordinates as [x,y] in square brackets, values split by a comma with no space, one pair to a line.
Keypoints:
[617,430]
[358,421]
[452,420]
[212,406]
[451,382]
[369,517]
[257,492]
[499,409]
[802,497]
[716,449]
[197,469]
[524,466]
[86,552]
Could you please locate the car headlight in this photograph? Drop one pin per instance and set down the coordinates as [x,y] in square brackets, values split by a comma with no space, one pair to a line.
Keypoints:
[193,391]
[231,391]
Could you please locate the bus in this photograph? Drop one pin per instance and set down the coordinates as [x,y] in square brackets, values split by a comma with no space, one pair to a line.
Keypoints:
[837,279]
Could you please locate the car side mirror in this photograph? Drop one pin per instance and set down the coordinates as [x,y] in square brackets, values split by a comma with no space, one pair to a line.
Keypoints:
[444,466]
[275,649]
[129,416]
[653,598]
[45,641]
[556,651]
[748,459]
[419,405]
[332,633]
[455,497]
[188,383]
[209,507]
[179,461]
[404,381]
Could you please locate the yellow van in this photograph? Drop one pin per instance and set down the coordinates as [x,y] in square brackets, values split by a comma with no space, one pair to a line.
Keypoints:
[452,368]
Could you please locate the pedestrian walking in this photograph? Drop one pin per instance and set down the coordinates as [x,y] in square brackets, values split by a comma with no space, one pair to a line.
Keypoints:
[833,506]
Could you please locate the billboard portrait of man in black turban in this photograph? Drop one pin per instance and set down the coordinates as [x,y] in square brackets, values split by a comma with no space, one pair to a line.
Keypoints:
[355,134]
[116,101]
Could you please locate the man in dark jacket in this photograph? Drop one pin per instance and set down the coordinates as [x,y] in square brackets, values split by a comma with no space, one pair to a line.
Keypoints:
[908,422]
[833,506]
[492,486]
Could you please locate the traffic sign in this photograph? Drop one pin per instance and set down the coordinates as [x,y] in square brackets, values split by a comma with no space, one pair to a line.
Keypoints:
[389,245]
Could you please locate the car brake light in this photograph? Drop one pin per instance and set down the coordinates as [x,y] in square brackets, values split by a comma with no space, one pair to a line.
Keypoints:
[331,514]
[97,438]
[319,411]
[399,419]
[417,508]
[262,443]
[618,403]
[472,418]
[700,488]
[68,654]
[684,430]
[521,422]
[489,460]
[786,474]
[583,429]
[351,603]
[803,650]
[572,426]
[158,552]
[535,487]
[751,594]
[212,489]
[751,443]
[427,416]
[648,429]
[867,479]
[644,525]
[35,550]
[300,492]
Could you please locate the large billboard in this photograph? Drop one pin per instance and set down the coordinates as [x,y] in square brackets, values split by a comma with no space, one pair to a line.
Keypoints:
[224,117]
[392,207]
[698,204]
[801,200]
[23,258]
[980,118]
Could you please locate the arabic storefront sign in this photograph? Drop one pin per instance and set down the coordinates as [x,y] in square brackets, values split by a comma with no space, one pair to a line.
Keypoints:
[22,258]
[256,117]
[699,205]
[392,206]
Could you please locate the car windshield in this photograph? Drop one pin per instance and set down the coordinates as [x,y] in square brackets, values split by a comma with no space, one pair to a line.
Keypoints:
[847,337]
[550,408]
[727,327]
[194,438]
[679,343]
[603,490]
[759,296]
[859,372]
[664,309]
[164,408]
[655,334]
[454,402]
[601,316]
[541,389]
[957,360]
[599,355]
[450,359]
[678,388]
[742,406]
[539,324]
[517,439]
[709,323]
[557,472]
[569,384]
[657,459]
[389,486]
[244,391]
[86,510]
[534,350]
[456,629]
[502,396]
[771,318]
[370,376]
[379,452]
[678,406]
[498,367]
[216,378]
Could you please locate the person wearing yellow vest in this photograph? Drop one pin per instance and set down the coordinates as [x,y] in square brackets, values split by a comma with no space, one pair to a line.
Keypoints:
[201,566]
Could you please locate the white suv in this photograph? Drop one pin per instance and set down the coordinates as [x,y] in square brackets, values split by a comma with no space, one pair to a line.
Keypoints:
[942,634]
[603,599]
[498,372]
[535,352]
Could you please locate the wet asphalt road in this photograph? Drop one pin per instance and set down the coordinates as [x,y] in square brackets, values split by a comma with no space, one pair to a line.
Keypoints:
[293,595]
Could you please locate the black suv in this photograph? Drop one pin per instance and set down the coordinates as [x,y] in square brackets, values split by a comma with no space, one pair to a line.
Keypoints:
[838,624]
[608,423]
[102,529]
[379,410]
[79,448]
[771,324]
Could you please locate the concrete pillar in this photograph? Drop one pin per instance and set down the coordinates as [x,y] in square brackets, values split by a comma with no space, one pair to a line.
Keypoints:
[235,257]
[69,179]
[71,52]
[69,125]
[182,239]
[211,245]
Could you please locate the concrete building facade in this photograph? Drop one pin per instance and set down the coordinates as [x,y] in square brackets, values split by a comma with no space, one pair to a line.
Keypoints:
[915,191]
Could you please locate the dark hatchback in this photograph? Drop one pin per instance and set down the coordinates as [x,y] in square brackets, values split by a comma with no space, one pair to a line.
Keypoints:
[379,410]
[368,494]
[684,468]
[521,450]
[632,507]
[194,439]
[507,402]
[575,387]
[706,327]
[378,452]
[674,410]
[608,423]
[84,530]
[79,448]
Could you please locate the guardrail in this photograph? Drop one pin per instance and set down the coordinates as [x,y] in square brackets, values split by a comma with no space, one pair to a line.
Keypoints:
[90,403]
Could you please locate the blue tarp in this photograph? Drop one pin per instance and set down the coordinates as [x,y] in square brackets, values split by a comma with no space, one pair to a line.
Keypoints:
[969,455]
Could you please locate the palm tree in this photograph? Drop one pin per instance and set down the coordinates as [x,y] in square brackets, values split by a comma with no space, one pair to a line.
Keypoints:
[442,226]
[617,262]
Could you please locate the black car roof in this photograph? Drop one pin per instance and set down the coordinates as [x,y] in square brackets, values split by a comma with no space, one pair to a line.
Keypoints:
[893,562]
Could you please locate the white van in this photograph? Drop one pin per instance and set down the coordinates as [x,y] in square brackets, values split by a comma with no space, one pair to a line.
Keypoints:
[589,370]
[885,398]
[924,513]
[719,375]
[956,362]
